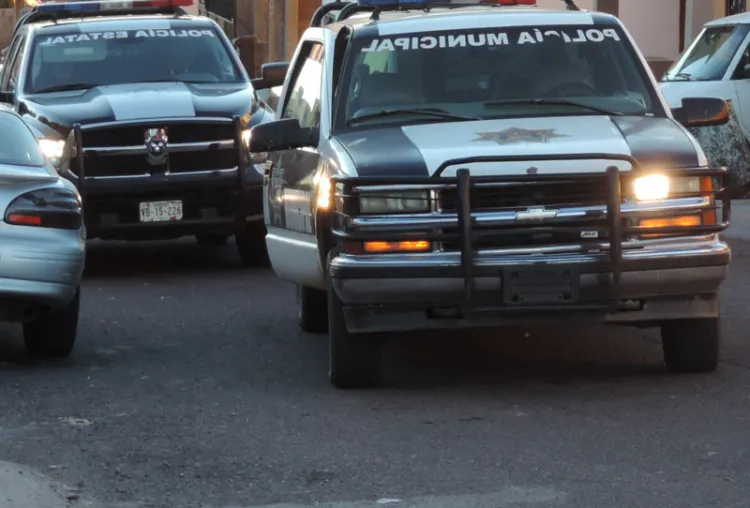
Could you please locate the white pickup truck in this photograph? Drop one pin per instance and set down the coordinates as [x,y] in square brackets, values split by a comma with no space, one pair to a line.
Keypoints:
[436,165]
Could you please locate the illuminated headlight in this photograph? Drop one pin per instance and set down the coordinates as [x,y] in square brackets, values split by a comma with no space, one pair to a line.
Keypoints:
[246,138]
[52,148]
[258,159]
[655,187]
[396,202]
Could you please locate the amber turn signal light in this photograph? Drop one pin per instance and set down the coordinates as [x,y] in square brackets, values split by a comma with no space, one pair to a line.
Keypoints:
[405,246]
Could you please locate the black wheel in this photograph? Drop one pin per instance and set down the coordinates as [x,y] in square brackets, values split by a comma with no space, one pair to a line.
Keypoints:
[54,333]
[691,345]
[312,309]
[354,357]
[251,244]
[212,240]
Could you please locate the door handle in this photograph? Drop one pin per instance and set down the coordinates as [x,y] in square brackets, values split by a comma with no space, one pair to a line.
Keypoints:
[267,168]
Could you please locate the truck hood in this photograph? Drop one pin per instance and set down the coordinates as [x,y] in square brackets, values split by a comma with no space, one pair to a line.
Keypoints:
[419,150]
[134,101]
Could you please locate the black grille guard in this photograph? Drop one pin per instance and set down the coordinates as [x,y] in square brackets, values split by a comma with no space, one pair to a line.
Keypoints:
[345,193]
[78,129]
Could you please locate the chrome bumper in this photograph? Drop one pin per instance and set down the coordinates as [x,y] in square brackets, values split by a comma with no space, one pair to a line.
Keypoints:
[386,293]
[436,278]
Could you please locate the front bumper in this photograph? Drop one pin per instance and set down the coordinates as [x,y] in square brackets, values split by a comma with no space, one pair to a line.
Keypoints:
[214,201]
[623,279]
[392,293]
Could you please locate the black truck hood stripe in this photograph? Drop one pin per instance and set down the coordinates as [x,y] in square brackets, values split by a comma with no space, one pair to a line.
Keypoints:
[384,152]
[657,142]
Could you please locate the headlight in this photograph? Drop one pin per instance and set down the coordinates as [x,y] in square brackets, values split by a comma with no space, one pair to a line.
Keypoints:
[655,187]
[52,148]
[246,138]
[395,202]
[258,159]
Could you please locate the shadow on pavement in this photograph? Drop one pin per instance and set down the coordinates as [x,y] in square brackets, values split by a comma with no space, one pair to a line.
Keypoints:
[516,356]
[133,259]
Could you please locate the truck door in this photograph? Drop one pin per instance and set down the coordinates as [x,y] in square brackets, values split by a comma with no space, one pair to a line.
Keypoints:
[290,188]
[741,78]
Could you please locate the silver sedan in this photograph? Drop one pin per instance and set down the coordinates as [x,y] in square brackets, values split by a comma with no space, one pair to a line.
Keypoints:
[42,243]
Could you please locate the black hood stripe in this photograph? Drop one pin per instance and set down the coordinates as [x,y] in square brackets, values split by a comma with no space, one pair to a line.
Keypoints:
[384,152]
[657,142]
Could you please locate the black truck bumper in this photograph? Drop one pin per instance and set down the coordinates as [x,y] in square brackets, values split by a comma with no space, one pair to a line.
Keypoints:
[626,274]
[202,201]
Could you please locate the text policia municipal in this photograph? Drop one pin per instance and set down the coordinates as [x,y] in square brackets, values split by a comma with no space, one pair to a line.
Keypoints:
[124,34]
[488,39]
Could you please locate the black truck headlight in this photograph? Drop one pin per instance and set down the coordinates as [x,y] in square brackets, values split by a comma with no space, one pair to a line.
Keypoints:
[394,202]
[52,148]
[655,187]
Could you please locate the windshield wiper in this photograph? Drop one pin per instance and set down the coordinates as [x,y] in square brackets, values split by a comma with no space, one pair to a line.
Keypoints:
[69,86]
[552,102]
[435,112]
[683,76]
[173,80]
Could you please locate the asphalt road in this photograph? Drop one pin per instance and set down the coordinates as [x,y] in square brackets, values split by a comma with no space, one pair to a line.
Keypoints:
[192,386]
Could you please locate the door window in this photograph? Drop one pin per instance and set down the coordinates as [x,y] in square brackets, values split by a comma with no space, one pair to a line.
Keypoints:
[305,95]
[12,65]
[15,70]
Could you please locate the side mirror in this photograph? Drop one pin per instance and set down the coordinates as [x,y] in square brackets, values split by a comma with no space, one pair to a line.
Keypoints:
[280,135]
[271,75]
[7,97]
[702,112]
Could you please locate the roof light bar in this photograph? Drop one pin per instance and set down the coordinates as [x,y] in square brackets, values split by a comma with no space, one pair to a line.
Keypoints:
[395,4]
[102,6]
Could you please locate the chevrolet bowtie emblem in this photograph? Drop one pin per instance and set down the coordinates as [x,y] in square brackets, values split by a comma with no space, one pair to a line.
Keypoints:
[516,135]
[538,213]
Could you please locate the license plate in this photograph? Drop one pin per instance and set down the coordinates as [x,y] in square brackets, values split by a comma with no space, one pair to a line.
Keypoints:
[161,211]
[540,286]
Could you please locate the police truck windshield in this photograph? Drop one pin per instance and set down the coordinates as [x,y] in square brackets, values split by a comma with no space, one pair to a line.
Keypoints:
[486,73]
[82,60]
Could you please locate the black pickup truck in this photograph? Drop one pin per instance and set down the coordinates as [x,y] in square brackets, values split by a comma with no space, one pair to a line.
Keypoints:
[147,110]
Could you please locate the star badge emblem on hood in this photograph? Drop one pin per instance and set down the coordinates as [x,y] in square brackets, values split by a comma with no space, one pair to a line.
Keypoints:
[516,135]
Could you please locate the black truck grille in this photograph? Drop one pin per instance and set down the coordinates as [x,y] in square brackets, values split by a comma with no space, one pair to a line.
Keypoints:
[516,195]
[198,158]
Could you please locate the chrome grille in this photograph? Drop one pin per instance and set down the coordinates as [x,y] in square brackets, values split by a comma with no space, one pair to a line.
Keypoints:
[119,150]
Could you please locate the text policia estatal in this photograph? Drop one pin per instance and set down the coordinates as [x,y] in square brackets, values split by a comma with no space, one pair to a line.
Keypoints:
[463,40]
[123,34]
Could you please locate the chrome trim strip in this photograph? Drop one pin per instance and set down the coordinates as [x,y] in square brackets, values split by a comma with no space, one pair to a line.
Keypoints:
[492,259]
[488,219]
[157,121]
[170,176]
[197,146]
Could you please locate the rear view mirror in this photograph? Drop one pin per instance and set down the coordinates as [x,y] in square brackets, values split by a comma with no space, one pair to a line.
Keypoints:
[280,135]
[271,75]
[702,112]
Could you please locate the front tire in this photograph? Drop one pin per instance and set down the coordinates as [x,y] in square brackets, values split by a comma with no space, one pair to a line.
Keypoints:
[355,358]
[251,244]
[691,345]
[312,309]
[54,334]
